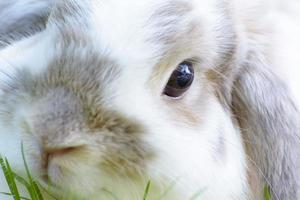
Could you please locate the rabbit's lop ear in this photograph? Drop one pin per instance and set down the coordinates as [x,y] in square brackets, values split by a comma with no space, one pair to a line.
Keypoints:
[68,15]
[269,120]
[17,22]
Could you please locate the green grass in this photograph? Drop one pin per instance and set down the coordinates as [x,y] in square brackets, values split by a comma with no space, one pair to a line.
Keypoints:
[147,190]
[12,178]
[34,189]
[267,193]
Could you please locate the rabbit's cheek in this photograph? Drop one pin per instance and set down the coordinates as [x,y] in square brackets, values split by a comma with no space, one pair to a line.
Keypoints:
[126,159]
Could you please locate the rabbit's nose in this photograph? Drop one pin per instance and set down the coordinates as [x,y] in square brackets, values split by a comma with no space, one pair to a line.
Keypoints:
[55,153]
[51,152]
[59,151]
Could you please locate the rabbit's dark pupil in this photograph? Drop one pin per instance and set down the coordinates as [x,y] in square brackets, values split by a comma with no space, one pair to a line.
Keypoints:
[180,80]
[184,75]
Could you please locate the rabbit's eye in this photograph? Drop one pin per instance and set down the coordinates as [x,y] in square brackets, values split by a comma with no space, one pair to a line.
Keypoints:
[180,80]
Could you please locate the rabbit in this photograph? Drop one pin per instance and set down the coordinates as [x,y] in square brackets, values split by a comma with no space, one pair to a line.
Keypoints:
[198,98]
[22,18]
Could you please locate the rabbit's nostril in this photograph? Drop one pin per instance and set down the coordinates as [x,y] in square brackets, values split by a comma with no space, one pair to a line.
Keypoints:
[59,151]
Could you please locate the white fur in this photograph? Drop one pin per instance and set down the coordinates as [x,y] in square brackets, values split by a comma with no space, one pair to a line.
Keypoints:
[183,152]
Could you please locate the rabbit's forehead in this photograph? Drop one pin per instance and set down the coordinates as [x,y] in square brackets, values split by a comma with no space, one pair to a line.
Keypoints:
[146,29]
[139,27]
[133,31]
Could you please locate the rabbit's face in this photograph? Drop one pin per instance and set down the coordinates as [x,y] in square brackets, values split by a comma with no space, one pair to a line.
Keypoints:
[131,97]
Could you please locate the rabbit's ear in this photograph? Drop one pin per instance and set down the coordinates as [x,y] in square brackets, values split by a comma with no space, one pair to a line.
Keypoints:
[270,123]
[69,14]
[65,18]
[22,18]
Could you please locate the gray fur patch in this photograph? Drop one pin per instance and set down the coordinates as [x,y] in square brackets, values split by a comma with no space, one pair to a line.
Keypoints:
[68,99]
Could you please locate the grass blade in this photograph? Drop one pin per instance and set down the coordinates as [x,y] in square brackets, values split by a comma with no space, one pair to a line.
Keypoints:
[48,192]
[146,193]
[33,190]
[21,180]
[28,185]
[9,194]
[37,190]
[12,184]
[112,195]
[8,174]
[267,193]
